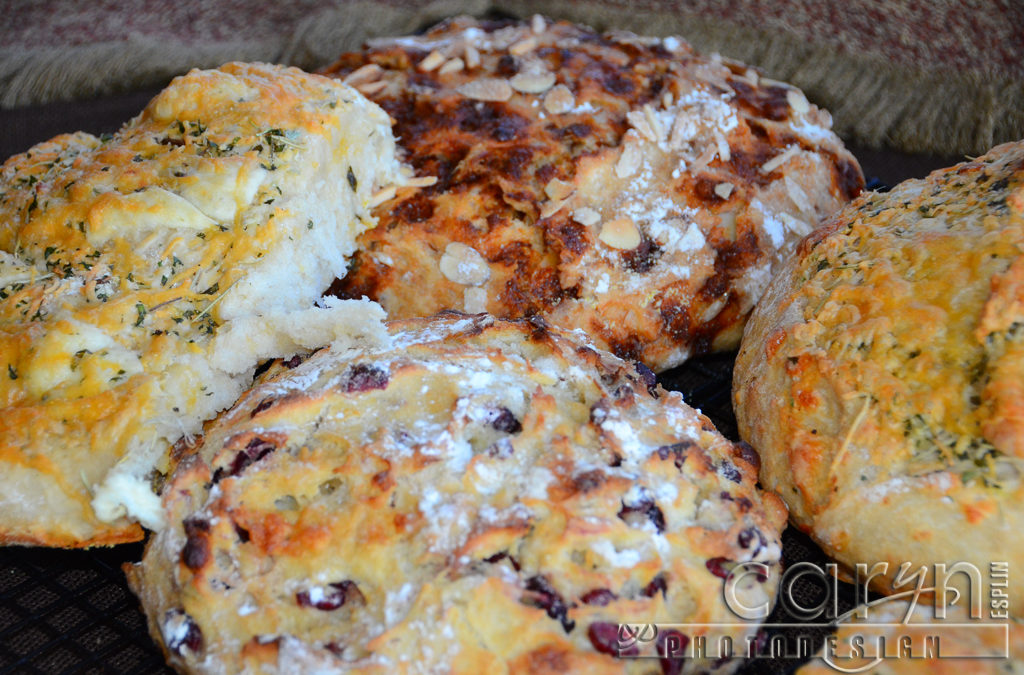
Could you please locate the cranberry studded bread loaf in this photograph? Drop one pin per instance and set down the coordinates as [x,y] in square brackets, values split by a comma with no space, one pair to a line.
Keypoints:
[881,376]
[143,276]
[478,496]
[623,185]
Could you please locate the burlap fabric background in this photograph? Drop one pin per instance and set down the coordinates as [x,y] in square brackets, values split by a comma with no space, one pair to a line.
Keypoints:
[938,76]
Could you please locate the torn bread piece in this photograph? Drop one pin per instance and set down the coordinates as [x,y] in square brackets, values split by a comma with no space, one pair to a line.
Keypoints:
[144,275]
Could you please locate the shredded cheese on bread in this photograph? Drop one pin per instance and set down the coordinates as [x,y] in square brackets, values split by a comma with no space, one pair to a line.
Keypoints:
[143,276]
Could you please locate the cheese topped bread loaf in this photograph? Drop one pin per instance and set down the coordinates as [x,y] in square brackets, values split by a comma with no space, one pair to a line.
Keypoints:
[882,376]
[476,496]
[143,275]
[624,185]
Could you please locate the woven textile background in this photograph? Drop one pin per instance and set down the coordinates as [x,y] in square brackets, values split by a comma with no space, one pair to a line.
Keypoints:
[939,76]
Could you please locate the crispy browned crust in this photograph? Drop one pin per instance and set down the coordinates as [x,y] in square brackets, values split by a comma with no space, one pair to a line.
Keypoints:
[110,537]
[558,131]
[135,271]
[881,375]
[480,496]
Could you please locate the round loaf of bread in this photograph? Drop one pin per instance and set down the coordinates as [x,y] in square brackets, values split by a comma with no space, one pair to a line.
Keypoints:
[624,185]
[881,377]
[479,495]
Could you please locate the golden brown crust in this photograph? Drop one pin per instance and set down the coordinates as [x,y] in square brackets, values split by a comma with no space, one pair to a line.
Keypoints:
[132,267]
[478,495]
[623,185]
[880,375]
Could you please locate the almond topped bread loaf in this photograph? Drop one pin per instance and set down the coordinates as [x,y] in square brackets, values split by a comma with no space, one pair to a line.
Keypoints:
[143,276]
[620,184]
[882,375]
[476,496]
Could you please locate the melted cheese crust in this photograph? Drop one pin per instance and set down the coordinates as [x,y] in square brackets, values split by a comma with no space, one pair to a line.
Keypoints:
[128,263]
[881,377]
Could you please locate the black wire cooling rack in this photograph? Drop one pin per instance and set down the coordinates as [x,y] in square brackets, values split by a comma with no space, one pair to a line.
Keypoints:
[72,612]
[64,612]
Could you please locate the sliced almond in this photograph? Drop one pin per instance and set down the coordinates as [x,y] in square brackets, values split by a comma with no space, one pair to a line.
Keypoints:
[383,195]
[655,124]
[533,83]
[769,82]
[421,181]
[723,190]
[638,120]
[371,87]
[620,233]
[538,24]
[586,216]
[684,129]
[523,47]
[431,61]
[797,101]
[452,66]
[799,196]
[780,159]
[795,225]
[629,160]
[367,73]
[552,207]
[472,57]
[713,310]
[703,159]
[487,89]
[558,189]
[559,99]
[464,265]
[727,221]
[723,146]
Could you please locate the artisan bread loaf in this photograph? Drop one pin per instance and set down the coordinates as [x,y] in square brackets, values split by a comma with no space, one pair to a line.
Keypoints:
[624,185]
[145,274]
[477,496]
[881,376]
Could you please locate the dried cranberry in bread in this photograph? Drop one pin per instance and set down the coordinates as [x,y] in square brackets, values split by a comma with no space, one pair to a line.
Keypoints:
[882,375]
[620,184]
[479,495]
